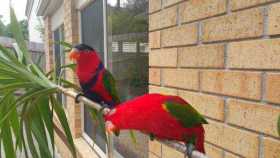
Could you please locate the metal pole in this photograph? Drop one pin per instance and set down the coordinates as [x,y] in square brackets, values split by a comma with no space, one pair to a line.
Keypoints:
[91,104]
[182,148]
[87,102]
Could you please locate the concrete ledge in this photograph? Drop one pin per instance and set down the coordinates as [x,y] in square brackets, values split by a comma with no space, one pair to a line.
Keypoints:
[84,150]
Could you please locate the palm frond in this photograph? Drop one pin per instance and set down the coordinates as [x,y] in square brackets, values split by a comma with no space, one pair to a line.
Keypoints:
[26,117]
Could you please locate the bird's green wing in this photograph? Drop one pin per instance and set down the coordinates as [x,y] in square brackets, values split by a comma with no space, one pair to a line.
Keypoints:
[184,113]
[110,85]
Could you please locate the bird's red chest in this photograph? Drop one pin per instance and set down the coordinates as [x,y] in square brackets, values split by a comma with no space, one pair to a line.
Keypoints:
[148,114]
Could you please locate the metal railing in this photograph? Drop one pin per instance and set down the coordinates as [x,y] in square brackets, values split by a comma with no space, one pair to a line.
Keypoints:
[110,148]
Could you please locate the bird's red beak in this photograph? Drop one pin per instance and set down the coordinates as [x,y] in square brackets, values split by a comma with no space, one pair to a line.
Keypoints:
[74,55]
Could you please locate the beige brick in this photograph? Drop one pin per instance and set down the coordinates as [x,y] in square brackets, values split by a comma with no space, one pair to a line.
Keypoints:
[170,2]
[155,147]
[164,18]
[258,117]
[274,19]
[154,39]
[201,56]
[207,105]
[154,21]
[271,148]
[163,57]
[272,88]
[168,152]
[180,78]
[212,151]
[235,140]
[181,35]
[169,17]
[154,76]
[239,4]
[162,90]
[154,5]
[229,155]
[199,9]
[233,83]
[257,54]
[244,24]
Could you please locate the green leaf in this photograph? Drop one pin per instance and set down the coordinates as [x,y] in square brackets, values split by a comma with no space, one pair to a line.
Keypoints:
[63,43]
[28,96]
[18,35]
[7,140]
[14,86]
[64,123]
[132,136]
[18,52]
[68,84]
[23,72]
[41,74]
[101,123]
[9,54]
[38,130]
[47,116]
[71,66]
[30,140]
[6,132]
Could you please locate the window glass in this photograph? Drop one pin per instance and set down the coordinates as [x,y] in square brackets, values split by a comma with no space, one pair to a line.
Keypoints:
[92,29]
[128,61]
[59,59]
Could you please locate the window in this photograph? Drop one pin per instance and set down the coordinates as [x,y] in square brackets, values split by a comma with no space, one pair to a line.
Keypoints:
[92,34]
[59,59]
[127,35]
[118,30]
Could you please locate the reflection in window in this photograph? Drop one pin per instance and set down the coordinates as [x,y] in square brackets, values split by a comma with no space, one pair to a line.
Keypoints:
[128,61]
[59,59]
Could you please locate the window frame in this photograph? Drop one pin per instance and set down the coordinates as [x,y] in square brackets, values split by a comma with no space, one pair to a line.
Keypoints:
[60,29]
[85,136]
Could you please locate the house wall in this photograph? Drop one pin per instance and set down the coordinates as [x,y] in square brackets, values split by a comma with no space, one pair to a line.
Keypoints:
[33,23]
[68,16]
[222,56]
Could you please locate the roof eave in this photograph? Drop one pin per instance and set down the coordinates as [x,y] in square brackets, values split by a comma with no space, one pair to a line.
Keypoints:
[28,7]
[47,7]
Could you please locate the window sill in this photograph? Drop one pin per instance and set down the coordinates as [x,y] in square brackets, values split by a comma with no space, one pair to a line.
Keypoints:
[84,150]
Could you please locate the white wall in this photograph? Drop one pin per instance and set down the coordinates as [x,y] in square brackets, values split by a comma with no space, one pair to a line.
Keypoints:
[33,22]
[57,18]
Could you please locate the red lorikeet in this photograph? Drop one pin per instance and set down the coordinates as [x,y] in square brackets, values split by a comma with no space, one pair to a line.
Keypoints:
[161,116]
[97,83]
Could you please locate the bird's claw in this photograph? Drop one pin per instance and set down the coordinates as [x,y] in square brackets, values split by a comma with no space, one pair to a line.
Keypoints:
[105,108]
[189,149]
[77,98]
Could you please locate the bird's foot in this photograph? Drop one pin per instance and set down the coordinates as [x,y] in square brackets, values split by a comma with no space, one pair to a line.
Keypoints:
[77,97]
[189,149]
[105,109]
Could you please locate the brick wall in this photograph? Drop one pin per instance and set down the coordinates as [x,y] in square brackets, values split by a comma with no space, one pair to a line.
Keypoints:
[48,43]
[71,35]
[223,56]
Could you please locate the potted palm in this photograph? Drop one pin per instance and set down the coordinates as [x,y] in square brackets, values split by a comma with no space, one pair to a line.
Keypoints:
[26,119]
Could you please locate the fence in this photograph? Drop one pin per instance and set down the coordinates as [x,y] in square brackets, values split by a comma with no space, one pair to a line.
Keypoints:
[36,49]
